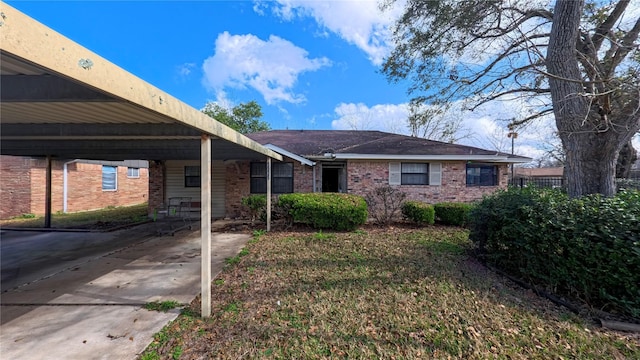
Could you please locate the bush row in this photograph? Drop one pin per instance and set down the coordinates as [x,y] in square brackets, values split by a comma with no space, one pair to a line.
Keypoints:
[586,248]
[324,210]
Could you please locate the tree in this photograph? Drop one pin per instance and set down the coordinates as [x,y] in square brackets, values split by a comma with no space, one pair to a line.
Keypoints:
[578,61]
[437,123]
[243,118]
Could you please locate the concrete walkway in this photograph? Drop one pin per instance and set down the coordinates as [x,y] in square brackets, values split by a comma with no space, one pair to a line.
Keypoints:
[92,310]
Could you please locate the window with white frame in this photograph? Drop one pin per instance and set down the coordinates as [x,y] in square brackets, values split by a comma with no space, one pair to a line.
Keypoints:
[133,173]
[414,173]
[109,178]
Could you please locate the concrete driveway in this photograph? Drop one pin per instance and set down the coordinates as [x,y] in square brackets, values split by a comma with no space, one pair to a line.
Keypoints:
[79,295]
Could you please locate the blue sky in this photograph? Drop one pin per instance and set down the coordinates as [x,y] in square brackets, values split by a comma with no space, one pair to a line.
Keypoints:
[309,64]
[300,70]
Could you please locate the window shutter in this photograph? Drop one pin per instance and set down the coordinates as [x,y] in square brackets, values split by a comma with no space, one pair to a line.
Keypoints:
[394,173]
[435,173]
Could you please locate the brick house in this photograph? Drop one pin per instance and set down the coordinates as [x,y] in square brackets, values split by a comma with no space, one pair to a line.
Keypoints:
[76,185]
[341,161]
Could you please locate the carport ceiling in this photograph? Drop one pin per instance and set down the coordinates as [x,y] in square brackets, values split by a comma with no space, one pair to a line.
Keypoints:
[59,99]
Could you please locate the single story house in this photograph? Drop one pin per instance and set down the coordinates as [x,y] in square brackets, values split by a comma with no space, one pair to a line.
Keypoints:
[76,185]
[342,161]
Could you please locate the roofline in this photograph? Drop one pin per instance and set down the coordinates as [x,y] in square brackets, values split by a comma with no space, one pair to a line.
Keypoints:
[486,158]
[291,155]
[28,39]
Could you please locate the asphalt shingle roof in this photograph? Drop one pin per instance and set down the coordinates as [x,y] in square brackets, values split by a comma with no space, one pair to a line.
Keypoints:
[312,143]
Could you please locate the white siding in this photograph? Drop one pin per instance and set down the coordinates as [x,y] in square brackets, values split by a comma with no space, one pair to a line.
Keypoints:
[175,183]
[217,188]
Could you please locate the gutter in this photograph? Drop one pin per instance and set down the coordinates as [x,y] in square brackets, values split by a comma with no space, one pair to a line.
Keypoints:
[485,158]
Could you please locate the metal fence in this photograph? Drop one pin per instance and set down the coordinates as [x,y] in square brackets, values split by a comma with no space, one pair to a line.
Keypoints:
[543,182]
[558,183]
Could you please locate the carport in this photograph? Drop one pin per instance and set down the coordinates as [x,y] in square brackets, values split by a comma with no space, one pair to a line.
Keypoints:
[60,100]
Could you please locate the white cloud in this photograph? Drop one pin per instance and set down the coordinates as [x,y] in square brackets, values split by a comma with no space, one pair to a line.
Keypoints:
[270,67]
[487,125]
[360,23]
[185,69]
[383,117]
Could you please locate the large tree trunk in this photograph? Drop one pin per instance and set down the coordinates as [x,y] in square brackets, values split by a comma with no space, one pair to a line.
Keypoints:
[626,158]
[591,144]
[590,165]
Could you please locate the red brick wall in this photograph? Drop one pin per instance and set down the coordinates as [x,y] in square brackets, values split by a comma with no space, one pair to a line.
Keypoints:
[364,176]
[15,194]
[84,187]
[237,186]
[156,185]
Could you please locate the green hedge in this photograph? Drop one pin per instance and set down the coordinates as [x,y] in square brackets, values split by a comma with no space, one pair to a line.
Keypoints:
[586,248]
[325,210]
[452,213]
[418,212]
[257,205]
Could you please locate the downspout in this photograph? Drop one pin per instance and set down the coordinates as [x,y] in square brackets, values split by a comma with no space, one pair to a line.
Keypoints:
[65,185]
[314,178]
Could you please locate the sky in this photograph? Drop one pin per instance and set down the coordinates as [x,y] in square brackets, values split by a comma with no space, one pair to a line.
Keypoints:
[309,64]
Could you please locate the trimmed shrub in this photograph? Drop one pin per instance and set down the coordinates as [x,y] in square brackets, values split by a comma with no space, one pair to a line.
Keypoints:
[418,212]
[586,248]
[325,210]
[257,205]
[452,213]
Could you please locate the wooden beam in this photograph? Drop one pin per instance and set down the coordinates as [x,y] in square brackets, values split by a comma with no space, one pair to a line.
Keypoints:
[205,224]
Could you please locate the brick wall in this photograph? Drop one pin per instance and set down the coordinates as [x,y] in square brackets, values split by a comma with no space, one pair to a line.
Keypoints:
[15,196]
[364,176]
[156,185]
[23,184]
[85,188]
[237,186]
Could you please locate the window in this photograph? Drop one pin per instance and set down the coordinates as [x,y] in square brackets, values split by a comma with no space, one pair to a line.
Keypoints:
[192,176]
[109,178]
[133,172]
[414,174]
[281,178]
[482,175]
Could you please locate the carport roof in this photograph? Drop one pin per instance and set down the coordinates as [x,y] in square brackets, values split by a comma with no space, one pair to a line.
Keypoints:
[59,99]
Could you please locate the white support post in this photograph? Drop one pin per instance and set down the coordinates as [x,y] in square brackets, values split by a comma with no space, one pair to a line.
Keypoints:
[205,224]
[268,194]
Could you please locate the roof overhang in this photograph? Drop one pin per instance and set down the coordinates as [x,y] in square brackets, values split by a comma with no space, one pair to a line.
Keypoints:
[281,151]
[479,158]
[59,99]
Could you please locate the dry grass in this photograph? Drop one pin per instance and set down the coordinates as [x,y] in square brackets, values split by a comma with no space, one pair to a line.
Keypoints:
[96,219]
[391,294]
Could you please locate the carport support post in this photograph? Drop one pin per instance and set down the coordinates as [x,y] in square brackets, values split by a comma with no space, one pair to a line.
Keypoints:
[268,194]
[47,198]
[205,224]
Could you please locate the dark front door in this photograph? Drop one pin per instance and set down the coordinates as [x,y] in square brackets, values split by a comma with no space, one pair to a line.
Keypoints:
[330,180]
[334,177]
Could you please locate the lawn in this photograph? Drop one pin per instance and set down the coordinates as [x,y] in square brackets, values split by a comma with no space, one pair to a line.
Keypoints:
[396,293]
[98,219]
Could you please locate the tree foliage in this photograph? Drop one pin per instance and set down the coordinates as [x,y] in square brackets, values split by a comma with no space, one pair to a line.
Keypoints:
[578,61]
[244,117]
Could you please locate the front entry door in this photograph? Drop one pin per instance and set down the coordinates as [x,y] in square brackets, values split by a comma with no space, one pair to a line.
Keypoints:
[334,177]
